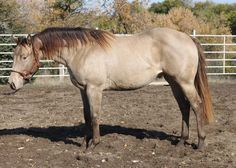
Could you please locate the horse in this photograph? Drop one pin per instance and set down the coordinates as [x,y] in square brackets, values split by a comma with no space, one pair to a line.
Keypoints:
[98,60]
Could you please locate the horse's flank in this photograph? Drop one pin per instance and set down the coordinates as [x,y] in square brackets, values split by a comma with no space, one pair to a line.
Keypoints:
[58,37]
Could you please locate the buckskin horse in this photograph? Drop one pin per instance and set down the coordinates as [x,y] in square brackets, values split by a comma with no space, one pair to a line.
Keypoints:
[98,60]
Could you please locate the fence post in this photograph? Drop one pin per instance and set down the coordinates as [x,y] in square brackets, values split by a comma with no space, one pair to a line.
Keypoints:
[194,33]
[61,72]
[224,53]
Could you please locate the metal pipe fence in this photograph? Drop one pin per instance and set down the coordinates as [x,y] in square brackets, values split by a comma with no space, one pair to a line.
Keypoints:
[220,52]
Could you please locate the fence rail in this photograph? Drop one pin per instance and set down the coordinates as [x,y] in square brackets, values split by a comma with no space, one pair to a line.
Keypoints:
[220,53]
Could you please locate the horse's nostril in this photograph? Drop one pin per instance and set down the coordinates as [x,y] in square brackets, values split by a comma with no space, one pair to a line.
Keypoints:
[13,86]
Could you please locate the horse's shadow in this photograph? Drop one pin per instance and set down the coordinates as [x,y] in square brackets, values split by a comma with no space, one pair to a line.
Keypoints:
[67,133]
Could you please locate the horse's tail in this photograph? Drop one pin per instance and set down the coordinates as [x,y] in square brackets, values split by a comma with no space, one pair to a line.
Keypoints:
[201,84]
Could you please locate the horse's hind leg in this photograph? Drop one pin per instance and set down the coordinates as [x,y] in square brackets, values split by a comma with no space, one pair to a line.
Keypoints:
[196,103]
[184,106]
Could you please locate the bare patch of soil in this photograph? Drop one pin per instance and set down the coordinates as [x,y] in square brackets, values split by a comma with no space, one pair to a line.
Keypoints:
[43,127]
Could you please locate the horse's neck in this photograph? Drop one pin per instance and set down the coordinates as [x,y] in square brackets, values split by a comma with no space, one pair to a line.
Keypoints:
[65,56]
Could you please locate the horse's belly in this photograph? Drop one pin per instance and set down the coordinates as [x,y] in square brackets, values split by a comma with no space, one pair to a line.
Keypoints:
[128,81]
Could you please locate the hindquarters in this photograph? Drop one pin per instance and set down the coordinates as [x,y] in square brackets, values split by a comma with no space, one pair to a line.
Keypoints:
[183,65]
[191,73]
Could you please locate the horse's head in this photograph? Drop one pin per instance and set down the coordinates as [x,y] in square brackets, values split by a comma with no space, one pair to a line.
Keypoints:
[25,61]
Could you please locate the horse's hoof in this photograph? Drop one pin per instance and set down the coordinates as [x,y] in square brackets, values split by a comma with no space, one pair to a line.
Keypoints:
[86,141]
[96,141]
[92,143]
[180,143]
[200,145]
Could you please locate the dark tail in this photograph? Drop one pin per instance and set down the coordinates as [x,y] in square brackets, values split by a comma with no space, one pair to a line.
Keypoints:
[201,85]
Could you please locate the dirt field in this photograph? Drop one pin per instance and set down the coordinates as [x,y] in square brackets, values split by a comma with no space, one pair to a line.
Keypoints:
[43,127]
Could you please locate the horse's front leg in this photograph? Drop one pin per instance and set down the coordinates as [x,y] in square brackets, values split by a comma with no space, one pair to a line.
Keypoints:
[87,116]
[94,94]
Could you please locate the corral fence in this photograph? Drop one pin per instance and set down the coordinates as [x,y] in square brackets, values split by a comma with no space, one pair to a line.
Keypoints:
[220,52]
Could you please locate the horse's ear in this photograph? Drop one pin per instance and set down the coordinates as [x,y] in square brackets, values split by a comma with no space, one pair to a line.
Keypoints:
[37,44]
[29,39]
[15,39]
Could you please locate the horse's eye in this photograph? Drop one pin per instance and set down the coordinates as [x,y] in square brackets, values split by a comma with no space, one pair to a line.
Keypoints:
[24,57]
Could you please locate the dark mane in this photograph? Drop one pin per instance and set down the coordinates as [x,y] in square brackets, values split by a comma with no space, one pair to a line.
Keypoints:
[57,37]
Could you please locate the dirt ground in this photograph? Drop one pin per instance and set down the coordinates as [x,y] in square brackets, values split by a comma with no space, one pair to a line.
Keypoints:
[42,126]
